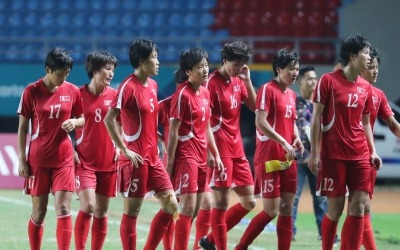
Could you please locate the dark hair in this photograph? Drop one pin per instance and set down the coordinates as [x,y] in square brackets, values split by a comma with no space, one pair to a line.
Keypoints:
[188,59]
[352,45]
[375,54]
[58,58]
[237,50]
[283,58]
[96,60]
[304,70]
[140,49]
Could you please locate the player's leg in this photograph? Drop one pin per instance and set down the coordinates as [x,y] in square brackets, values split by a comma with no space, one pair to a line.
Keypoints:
[284,223]
[63,185]
[87,200]
[301,176]
[38,186]
[319,202]
[203,218]
[132,188]
[359,185]
[85,184]
[104,191]
[368,234]
[158,180]
[270,188]
[128,232]
[187,204]
[62,204]
[36,222]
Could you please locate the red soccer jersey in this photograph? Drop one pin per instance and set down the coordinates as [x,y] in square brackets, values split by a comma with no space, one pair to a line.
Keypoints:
[381,107]
[193,110]
[226,101]
[138,107]
[94,145]
[163,116]
[344,104]
[50,145]
[281,108]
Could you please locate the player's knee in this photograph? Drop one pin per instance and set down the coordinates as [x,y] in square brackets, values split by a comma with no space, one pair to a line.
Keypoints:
[38,215]
[248,202]
[169,203]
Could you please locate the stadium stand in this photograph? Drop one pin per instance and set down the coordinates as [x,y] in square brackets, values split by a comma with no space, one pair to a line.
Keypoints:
[309,25]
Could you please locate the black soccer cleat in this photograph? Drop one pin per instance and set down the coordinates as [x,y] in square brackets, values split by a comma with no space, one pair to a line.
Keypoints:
[204,244]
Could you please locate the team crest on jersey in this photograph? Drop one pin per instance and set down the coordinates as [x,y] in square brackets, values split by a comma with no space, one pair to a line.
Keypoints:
[65,98]
[154,91]
[107,102]
[291,100]
[205,101]
[236,88]
[375,101]
[361,90]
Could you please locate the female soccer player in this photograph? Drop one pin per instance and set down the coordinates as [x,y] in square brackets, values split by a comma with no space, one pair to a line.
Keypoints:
[96,170]
[229,87]
[277,141]
[53,108]
[190,135]
[342,148]
[140,166]
[382,110]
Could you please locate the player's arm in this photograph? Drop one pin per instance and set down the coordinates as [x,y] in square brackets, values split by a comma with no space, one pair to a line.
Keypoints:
[251,98]
[174,125]
[113,130]
[375,160]
[393,125]
[263,125]
[23,127]
[297,141]
[315,134]
[212,148]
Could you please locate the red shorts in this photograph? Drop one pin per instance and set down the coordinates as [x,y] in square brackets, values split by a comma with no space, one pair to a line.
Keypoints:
[45,180]
[135,182]
[335,175]
[236,173]
[189,178]
[88,179]
[271,185]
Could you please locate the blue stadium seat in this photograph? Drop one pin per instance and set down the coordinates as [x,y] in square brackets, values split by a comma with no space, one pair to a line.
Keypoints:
[81,5]
[4,5]
[31,19]
[17,5]
[32,5]
[15,20]
[63,20]
[48,5]
[112,20]
[146,5]
[144,20]
[160,19]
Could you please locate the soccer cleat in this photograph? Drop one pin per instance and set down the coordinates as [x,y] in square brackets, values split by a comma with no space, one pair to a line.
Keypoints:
[204,244]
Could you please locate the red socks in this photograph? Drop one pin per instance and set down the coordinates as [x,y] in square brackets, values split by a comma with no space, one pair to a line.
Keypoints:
[284,232]
[352,232]
[168,237]
[99,232]
[81,229]
[182,232]
[255,227]
[328,228]
[233,216]
[218,227]
[158,227]
[35,233]
[368,234]
[64,231]
[202,225]
[127,232]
